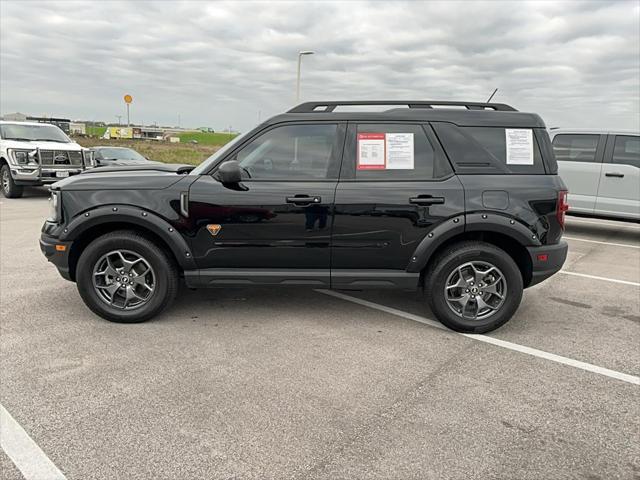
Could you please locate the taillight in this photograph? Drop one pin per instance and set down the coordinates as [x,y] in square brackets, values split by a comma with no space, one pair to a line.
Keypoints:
[562,207]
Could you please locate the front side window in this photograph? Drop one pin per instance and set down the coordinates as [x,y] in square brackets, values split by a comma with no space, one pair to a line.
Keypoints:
[393,152]
[292,152]
[626,150]
[575,147]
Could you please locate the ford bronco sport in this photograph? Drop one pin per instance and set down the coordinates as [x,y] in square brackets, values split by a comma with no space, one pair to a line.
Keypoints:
[463,201]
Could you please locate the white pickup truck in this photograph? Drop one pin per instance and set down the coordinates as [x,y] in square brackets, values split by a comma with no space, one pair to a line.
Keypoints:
[35,154]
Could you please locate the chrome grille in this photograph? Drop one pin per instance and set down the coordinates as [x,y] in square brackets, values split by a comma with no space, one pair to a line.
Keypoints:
[60,158]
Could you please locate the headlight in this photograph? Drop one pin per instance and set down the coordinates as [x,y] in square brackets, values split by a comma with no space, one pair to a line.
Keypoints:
[89,160]
[23,157]
[55,207]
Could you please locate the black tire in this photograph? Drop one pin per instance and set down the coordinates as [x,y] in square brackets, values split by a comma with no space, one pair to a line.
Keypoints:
[7,185]
[459,254]
[166,276]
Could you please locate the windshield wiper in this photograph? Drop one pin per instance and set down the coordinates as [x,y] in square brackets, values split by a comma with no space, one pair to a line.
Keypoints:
[20,139]
[49,140]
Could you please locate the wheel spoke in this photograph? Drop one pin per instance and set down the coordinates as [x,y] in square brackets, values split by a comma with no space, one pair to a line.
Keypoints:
[493,290]
[482,304]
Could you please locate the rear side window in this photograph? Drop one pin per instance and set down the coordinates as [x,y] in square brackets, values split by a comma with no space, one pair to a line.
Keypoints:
[491,150]
[576,147]
[626,150]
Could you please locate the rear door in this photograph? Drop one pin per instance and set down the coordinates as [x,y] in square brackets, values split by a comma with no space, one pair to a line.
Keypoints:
[619,192]
[579,157]
[395,186]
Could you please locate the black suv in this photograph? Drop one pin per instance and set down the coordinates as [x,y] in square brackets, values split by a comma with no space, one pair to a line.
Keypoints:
[462,200]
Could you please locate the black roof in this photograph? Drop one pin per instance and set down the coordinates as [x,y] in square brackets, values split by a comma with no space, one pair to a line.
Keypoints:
[460,113]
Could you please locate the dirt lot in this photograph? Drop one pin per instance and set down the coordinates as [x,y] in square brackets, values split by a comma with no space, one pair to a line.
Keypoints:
[303,384]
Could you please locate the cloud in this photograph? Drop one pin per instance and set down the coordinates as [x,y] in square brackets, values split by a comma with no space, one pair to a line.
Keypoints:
[220,64]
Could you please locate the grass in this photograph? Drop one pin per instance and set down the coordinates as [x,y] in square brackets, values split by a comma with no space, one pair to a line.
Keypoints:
[95,131]
[160,151]
[205,138]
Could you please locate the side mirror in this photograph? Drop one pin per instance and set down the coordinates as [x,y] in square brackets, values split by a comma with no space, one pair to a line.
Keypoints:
[229,173]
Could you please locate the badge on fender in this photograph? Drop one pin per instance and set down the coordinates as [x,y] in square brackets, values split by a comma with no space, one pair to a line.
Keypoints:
[214,228]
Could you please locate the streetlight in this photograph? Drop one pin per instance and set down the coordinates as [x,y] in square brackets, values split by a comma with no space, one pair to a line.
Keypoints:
[300,54]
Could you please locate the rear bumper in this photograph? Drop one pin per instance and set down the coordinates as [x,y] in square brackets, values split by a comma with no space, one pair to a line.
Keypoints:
[543,269]
[59,258]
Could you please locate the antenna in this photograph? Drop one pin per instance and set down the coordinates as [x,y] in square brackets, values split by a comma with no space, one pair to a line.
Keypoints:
[494,92]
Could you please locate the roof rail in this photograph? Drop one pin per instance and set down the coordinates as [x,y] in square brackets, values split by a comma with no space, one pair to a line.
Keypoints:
[315,107]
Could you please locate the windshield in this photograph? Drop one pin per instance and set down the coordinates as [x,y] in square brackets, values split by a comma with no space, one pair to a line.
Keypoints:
[27,133]
[119,154]
[204,166]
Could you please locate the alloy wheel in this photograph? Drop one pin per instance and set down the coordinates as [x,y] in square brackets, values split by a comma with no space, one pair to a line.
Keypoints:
[475,290]
[124,279]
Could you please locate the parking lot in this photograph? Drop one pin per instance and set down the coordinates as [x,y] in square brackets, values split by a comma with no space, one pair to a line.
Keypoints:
[302,384]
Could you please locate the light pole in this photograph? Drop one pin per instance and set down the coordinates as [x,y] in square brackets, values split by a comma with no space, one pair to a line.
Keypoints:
[300,54]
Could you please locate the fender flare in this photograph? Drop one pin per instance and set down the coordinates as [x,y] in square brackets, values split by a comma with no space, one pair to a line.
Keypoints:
[473,222]
[504,224]
[137,217]
[430,243]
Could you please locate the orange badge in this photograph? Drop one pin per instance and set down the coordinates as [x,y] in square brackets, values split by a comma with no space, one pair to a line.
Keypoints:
[214,228]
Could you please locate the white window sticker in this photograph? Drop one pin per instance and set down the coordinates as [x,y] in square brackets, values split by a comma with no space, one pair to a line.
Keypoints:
[519,142]
[400,154]
[371,151]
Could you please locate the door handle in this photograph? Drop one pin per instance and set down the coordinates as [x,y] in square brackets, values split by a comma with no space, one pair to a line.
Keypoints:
[614,174]
[426,200]
[304,199]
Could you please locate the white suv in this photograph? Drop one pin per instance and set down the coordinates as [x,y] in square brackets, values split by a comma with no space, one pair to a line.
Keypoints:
[601,170]
[36,154]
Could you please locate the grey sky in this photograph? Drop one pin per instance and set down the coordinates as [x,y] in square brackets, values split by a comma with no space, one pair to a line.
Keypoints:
[219,64]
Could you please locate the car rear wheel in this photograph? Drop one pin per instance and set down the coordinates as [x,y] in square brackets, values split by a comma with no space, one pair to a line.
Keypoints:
[474,287]
[7,185]
[125,277]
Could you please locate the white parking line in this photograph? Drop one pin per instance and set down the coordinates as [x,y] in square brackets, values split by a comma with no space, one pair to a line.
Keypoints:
[32,462]
[605,223]
[575,239]
[625,377]
[606,279]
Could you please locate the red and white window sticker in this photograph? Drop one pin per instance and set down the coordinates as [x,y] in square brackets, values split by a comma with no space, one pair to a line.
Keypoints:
[371,151]
[385,151]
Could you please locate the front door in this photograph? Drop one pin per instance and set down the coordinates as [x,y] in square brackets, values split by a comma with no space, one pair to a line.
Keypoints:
[278,220]
[394,186]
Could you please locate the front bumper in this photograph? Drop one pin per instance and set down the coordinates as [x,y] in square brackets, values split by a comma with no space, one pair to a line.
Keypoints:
[544,268]
[59,258]
[39,176]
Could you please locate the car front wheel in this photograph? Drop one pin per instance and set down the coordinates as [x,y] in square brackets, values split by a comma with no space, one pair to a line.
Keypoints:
[125,277]
[474,287]
[8,186]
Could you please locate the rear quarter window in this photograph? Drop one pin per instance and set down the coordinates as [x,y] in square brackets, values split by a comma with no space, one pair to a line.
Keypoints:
[483,150]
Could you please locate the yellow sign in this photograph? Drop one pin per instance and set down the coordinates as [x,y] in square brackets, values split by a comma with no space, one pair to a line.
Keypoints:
[128,98]
[120,132]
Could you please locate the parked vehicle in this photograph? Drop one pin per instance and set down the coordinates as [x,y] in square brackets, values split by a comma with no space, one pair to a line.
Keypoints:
[112,156]
[462,201]
[35,154]
[601,169]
